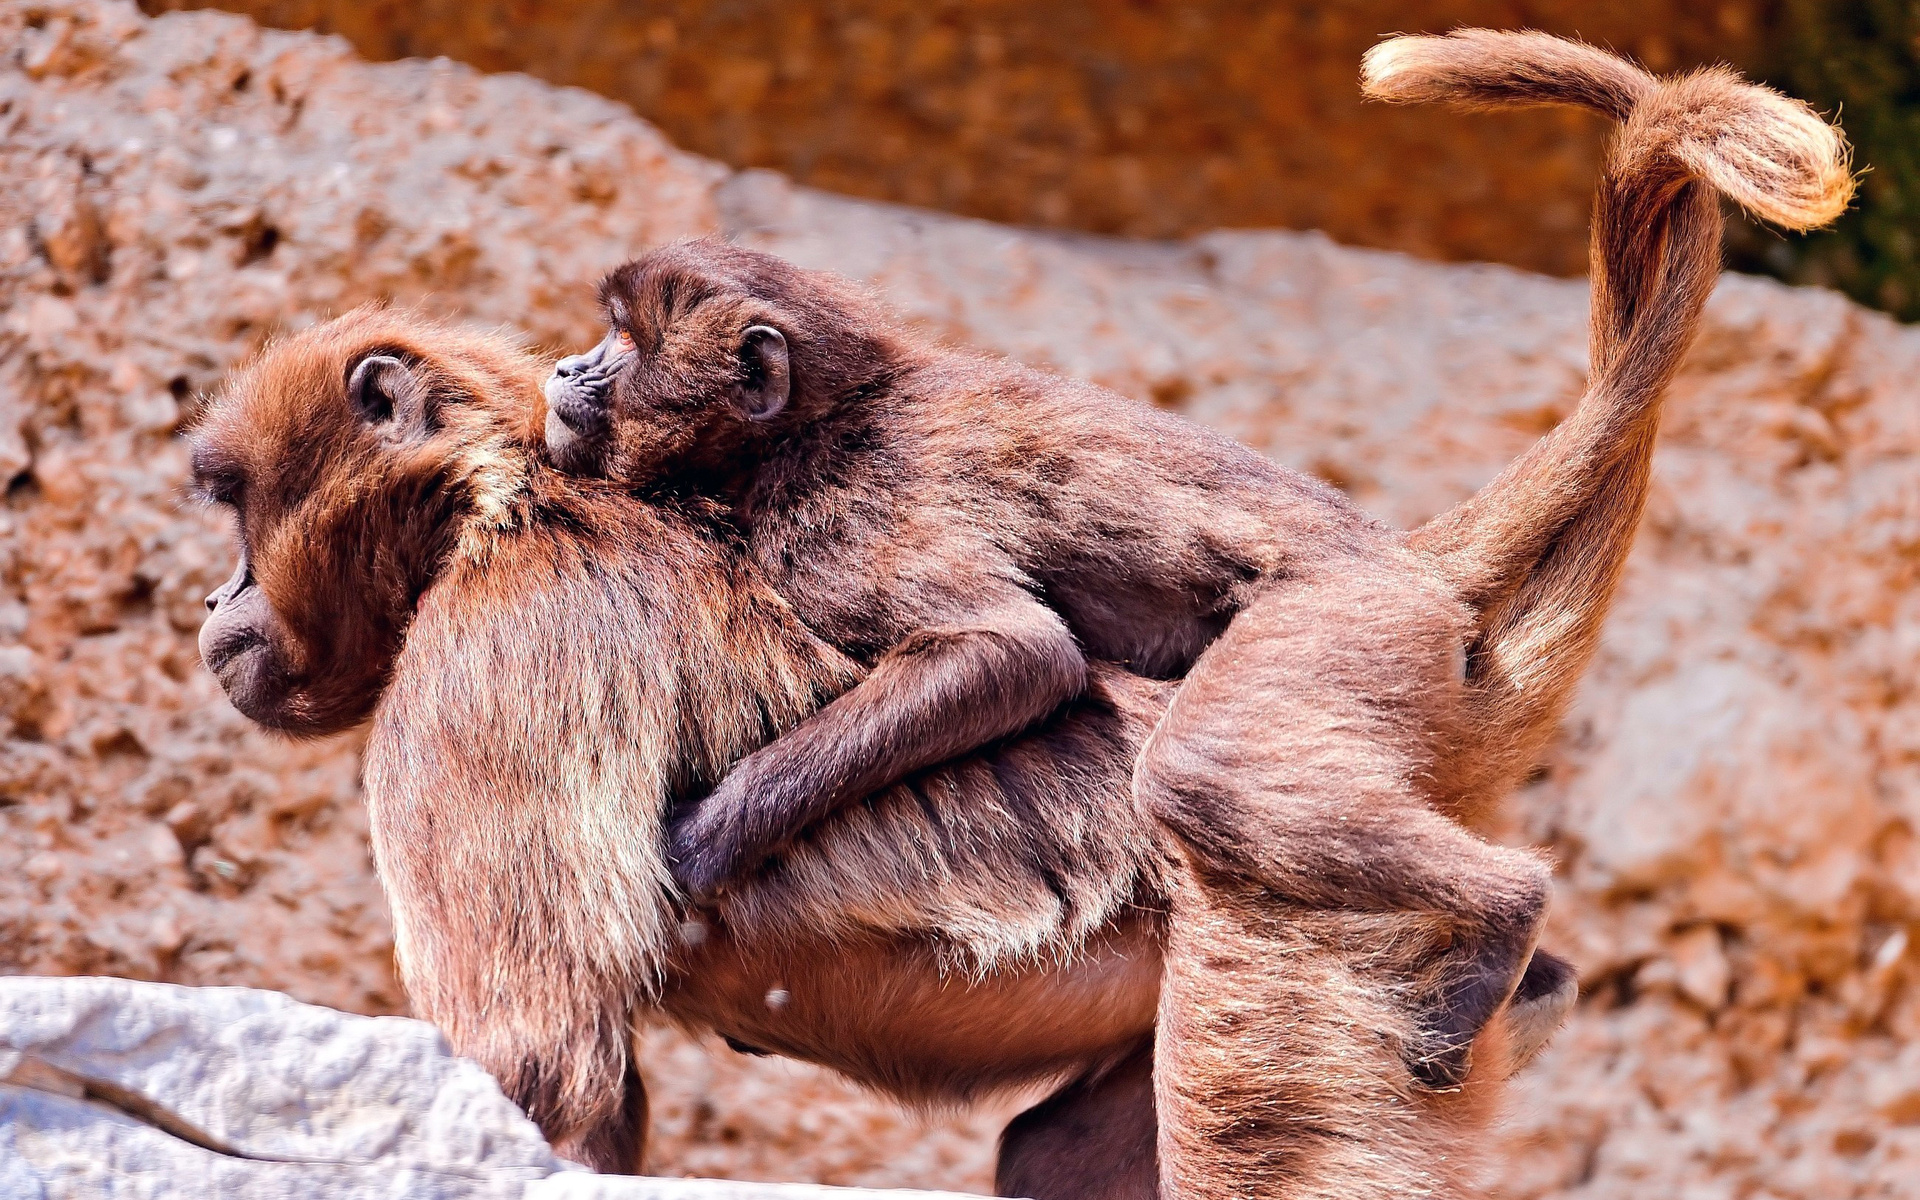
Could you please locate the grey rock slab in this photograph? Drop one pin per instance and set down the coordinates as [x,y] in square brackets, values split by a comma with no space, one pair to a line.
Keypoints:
[56,1148]
[119,1088]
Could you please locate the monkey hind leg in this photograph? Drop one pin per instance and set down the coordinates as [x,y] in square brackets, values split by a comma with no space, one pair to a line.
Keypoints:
[614,1144]
[1279,1067]
[1290,757]
[1094,1139]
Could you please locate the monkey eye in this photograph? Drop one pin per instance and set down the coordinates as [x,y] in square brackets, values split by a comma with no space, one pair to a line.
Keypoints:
[623,340]
[218,487]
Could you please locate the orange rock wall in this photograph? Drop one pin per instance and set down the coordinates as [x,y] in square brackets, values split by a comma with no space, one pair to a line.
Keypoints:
[1147,118]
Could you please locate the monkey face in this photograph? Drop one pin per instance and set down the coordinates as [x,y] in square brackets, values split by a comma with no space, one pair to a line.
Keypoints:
[703,387]
[712,352]
[347,455]
[248,647]
[579,398]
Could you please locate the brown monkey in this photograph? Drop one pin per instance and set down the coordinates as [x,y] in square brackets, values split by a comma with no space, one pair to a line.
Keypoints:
[1534,558]
[964,527]
[547,661]
[561,660]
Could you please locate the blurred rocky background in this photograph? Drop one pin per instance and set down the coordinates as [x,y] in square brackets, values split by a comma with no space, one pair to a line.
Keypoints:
[1143,118]
[1160,118]
[1734,802]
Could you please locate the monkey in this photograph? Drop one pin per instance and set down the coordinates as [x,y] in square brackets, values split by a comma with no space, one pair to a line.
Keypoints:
[969,529]
[1534,556]
[546,661]
[964,526]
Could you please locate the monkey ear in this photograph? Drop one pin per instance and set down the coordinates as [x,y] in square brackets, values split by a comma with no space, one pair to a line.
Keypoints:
[768,382]
[387,392]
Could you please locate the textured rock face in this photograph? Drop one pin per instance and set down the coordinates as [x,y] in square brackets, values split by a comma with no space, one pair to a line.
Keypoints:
[1734,800]
[1143,119]
[115,1090]
[134,1089]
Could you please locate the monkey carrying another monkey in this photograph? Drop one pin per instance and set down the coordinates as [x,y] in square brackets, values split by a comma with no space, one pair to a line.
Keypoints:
[969,529]
[1022,733]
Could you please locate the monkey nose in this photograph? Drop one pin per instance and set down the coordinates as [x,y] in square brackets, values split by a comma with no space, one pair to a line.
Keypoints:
[572,365]
[237,582]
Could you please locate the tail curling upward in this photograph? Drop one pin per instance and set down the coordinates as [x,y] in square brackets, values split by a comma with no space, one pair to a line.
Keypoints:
[1536,555]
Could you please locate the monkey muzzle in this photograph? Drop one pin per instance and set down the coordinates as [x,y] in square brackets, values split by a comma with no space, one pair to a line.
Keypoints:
[579,401]
[239,642]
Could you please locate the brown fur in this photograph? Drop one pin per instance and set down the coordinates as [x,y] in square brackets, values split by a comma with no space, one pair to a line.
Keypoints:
[1537,554]
[964,526]
[1533,559]
[579,657]
[552,663]
[965,529]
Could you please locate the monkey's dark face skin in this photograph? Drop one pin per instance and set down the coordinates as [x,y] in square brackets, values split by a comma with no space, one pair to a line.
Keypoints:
[579,399]
[713,353]
[244,644]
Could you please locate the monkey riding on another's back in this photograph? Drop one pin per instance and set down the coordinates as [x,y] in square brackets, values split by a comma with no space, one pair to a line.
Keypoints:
[1011,732]
[970,530]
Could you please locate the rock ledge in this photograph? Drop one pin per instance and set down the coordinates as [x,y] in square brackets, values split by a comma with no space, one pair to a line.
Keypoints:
[110,1088]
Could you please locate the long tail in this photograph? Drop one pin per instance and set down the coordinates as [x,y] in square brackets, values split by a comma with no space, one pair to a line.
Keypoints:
[1537,553]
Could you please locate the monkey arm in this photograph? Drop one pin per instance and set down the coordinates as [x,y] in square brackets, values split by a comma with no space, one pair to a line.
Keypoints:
[938,694]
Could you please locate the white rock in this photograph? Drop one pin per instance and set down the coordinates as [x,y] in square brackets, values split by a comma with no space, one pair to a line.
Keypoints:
[110,1084]
[116,1090]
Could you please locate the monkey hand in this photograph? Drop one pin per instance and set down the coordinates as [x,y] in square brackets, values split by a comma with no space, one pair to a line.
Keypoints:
[712,845]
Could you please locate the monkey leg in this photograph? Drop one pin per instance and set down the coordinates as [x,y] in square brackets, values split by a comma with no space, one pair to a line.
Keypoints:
[1279,1066]
[1096,1138]
[1290,757]
[616,1144]
[1283,1072]
[1091,1140]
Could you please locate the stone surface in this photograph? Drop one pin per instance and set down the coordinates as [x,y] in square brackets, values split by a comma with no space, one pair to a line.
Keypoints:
[1734,801]
[111,1088]
[1144,119]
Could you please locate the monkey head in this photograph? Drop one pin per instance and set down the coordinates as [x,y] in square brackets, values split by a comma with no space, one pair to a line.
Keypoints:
[712,351]
[350,455]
